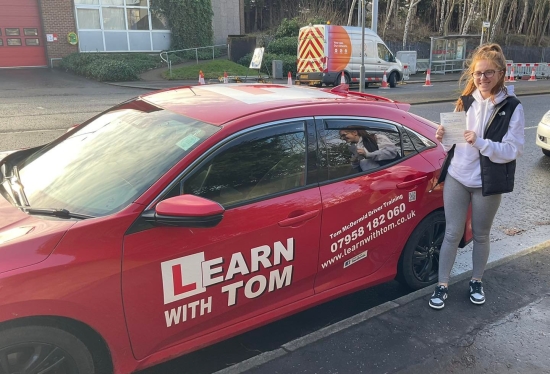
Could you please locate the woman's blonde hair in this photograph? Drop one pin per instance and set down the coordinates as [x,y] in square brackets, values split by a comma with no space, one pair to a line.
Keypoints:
[491,52]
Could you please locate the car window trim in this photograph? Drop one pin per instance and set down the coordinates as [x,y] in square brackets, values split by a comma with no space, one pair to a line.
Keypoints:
[213,151]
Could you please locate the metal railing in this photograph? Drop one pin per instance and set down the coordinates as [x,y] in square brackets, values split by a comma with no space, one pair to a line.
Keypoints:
[165,55]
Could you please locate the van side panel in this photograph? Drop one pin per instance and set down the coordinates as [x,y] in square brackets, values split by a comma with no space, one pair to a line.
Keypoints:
[339,48]
[311,49]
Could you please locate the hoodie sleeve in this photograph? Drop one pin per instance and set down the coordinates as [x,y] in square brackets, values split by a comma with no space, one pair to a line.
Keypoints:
[511,146]
[386,149]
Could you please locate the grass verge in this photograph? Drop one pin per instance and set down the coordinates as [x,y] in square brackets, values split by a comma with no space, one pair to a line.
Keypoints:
[213,69]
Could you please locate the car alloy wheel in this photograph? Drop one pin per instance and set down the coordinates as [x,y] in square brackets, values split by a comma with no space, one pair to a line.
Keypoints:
[43,350]
[419,262]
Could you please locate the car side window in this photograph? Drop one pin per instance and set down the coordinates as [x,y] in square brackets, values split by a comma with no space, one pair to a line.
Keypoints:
[419,142]
[355,146]
[260,163]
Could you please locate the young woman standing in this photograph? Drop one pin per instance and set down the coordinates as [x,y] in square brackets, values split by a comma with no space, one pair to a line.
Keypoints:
[482,168]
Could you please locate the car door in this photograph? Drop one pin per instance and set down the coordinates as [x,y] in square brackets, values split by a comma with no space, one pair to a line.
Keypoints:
[366,214]
[198,285]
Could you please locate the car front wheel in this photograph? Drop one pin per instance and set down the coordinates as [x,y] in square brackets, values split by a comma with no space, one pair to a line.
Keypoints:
[546,152]
[46,350]
[419,263]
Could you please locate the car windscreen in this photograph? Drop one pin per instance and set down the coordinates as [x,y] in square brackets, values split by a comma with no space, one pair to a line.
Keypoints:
[106,164]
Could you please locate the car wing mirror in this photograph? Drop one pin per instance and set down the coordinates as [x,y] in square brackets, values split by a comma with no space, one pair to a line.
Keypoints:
[186,211]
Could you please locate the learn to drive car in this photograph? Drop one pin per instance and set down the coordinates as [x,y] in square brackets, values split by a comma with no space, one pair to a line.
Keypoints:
[543,134]
[186,216]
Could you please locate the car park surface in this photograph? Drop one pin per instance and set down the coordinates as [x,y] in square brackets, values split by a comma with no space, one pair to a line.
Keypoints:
[193,214]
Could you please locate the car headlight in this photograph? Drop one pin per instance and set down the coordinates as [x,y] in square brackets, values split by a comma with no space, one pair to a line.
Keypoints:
[546,119]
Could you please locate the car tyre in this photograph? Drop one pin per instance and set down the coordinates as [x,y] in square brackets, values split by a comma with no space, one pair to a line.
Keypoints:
[40,349]
[392,80]
[419,263]
[546,152]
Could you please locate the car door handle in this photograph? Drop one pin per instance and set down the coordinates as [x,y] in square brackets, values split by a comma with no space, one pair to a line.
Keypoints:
[413,182]
[298,219]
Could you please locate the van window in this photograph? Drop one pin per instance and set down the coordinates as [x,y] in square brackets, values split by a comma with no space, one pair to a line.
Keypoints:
[384,53]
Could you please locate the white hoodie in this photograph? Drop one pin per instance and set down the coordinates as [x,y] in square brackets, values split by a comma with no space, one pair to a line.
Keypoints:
[465,166]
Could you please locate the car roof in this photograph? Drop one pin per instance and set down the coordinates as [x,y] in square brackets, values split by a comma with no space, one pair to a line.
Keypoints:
[220,103]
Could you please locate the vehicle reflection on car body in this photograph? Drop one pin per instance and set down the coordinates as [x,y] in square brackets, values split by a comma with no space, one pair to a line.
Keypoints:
[186,216]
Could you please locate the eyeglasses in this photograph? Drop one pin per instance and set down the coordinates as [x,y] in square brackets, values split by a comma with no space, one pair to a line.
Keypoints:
[487,73]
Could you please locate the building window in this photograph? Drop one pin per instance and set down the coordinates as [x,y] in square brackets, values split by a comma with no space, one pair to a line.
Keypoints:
[12,32]
[30,32]
[88,19]
[159,21]
[120,25]
[14,42]
[87,2]
[1,42]
[113,19]
[136,2]
[32,42]
[138,19]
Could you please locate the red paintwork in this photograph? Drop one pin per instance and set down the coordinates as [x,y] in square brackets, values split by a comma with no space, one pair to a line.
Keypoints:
[191,205]
[128,286]
[21,14]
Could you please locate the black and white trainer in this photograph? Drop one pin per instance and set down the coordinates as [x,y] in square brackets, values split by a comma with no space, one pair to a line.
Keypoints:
[437,301]
[477,296]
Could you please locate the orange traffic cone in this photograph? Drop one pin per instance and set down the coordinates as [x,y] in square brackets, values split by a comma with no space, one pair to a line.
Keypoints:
[428,81]
[343,78]
[289,79]
[512,79]
[533,76]
[225,79]
[201,77]
[384,82]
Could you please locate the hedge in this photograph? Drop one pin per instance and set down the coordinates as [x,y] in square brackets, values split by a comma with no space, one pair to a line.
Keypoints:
[110,67]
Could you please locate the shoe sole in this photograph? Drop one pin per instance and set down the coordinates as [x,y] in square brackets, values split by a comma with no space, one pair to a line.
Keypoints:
[437,307]
[477,302]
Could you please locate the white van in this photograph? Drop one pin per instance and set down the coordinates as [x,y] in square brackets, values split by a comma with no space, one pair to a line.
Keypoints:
[325,51]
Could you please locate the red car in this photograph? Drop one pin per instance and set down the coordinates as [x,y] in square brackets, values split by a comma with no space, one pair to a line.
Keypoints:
[186,216]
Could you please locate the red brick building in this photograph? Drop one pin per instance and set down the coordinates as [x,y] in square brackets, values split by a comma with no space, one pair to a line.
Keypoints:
[37,32]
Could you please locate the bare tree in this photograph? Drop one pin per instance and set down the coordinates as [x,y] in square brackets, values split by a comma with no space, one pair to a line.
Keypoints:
[411,13]
[388,15]
[351,9]
[448,18]
[442,16]
[497,19]
[524,15]
[471,14]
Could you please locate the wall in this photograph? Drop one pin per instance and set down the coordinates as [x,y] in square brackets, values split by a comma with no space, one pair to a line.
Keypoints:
[58,18]
[228,19]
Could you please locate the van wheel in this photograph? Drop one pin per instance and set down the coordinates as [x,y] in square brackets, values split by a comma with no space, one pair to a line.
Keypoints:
[546,152]
[419,263]
[392,80]
[39,349]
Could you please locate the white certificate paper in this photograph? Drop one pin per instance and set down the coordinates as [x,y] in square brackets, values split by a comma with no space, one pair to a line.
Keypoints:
[455,125]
